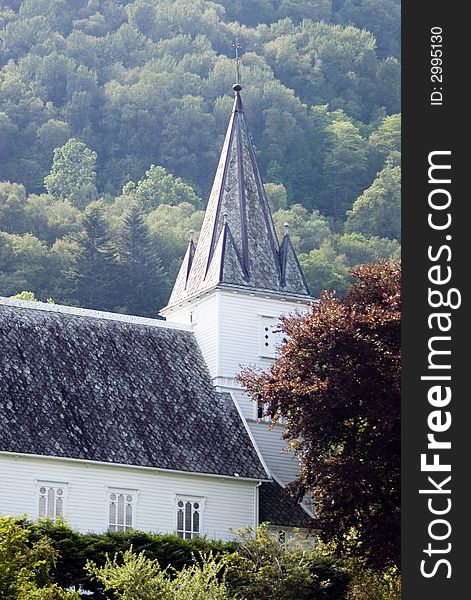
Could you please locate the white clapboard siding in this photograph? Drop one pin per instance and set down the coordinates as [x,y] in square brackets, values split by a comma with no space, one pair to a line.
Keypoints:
[201,315]
[283,466]
[247,406]
[242,320]
[228,503]
[230,326]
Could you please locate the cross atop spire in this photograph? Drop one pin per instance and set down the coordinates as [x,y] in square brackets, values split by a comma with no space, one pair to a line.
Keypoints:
[236,45]
[238,246]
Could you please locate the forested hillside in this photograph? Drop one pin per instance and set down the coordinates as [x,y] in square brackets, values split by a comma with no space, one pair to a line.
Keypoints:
[112,116]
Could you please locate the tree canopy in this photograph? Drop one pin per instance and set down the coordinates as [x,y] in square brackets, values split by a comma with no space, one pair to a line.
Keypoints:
[73,174]
[337,383]
[127,102]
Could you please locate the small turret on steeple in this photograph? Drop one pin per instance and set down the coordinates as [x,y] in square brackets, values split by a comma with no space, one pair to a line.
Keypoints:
[238,246]
[182,278]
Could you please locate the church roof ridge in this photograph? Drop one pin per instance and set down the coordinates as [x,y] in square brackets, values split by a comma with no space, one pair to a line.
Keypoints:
[94,314]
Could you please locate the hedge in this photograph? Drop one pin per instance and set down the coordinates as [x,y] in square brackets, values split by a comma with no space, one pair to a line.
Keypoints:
[75,549]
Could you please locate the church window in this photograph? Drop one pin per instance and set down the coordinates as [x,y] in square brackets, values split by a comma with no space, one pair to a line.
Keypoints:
[270,337]
[262,412]
[51,500]
[189,517]
[122,509]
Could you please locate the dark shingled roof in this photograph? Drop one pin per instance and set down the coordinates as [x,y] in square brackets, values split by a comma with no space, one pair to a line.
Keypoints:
[277,507]
[238,245]
[79,385]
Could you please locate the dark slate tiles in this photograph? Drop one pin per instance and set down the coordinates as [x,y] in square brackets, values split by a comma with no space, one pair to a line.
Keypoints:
[83,387]
[277,507]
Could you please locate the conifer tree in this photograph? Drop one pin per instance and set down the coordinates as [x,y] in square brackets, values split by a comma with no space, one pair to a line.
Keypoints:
[93,274]
[143,284]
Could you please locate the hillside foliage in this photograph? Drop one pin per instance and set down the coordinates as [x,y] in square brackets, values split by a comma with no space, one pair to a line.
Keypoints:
[112,116]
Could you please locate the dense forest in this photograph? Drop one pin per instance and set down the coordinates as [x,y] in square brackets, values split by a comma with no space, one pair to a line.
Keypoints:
[112,116]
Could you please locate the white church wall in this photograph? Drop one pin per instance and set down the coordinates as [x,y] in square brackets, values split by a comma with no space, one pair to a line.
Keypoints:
[244,319]
[235,329]
[202,315]
[227,503]
[246,404]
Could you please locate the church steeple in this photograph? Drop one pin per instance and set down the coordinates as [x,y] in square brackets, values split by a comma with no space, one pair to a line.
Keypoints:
[238,246]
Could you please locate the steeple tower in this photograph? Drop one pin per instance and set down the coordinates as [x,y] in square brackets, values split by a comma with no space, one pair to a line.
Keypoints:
[238,245]
[238,280]
[233,287]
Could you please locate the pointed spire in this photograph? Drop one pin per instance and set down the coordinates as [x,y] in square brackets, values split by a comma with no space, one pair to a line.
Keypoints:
[238,245]
[179,289]
[291,270]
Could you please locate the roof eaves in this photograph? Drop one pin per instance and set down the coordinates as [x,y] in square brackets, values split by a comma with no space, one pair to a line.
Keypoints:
[121,465]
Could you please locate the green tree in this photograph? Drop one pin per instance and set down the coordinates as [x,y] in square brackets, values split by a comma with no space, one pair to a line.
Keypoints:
[24,265]
[360,249]
[73,175]
[307,229]
[93,273]
[186,121]
[137,577]
[377,212]
[325,269]
[337,383]
[277,196]
[143,283]
[160,187]
[327,63]
[267,566]
[50,219]
[20,35]
[387,137]
[170,228]
[25,567]
[381,17]
[385,144]
[344,168]
[53,134]
[24,295]
[8,138]
[13,217]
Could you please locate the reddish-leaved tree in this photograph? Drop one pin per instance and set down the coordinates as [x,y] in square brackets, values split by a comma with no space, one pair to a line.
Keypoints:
[337,382]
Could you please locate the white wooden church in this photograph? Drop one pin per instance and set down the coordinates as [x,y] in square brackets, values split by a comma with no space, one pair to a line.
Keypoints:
[116,422]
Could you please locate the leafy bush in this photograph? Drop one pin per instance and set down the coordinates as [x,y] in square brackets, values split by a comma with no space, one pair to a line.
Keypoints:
[40,560]
[137,577]
[266,566]
[25,566]
[368,584]
[76,549]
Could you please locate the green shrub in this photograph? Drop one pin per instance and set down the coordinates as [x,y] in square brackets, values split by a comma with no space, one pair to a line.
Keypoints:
[367,584]
[76,549]
[136,577]
[268,567]
[25,565]
[258,565]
